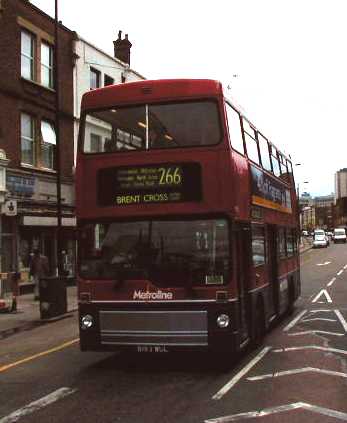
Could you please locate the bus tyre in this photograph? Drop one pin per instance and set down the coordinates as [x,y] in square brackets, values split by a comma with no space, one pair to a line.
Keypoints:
[259,325]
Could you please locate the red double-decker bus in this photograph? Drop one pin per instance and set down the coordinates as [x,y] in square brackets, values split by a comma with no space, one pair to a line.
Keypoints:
[187,220]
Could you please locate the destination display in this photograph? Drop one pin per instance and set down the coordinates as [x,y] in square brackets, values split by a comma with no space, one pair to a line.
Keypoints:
[269,192]
[143,184]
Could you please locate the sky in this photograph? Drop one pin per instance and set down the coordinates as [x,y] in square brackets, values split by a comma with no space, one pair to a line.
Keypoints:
[284,61]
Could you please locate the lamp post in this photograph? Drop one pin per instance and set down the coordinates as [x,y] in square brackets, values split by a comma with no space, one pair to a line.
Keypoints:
[57,131]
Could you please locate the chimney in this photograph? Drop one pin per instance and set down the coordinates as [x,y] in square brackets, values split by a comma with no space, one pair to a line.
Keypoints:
[122,48]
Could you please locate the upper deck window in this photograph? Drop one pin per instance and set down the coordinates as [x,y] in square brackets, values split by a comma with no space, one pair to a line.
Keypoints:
[264,152]
[251,142]
[235,132]
[157,126]
[275,162]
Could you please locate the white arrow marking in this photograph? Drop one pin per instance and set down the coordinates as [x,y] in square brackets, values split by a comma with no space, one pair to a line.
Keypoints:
[308,332]
[342,320]
[240,374]
[325,293]
[294,321]
[331,282]
[310,347]
[319,318]
[37,405]
[297,371]
[324,264]
[280,409]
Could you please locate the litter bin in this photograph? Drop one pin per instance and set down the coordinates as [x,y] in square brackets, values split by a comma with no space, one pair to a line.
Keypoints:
[53,301]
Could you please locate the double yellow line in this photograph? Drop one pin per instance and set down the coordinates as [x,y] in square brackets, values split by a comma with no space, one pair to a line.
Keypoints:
[41,354]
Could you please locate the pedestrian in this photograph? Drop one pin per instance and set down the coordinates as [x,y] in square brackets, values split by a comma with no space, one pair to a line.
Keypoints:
[39,268]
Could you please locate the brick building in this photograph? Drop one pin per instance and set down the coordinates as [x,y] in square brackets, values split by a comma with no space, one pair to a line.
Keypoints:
[28,136]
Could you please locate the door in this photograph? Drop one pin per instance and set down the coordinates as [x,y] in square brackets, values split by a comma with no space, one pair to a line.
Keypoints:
[242,264]
[273,269]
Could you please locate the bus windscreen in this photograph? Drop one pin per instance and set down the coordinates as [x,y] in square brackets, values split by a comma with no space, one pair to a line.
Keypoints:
[153,126]
[167,253]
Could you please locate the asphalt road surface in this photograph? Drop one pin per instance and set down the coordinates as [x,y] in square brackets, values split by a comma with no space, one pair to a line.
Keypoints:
[298,375]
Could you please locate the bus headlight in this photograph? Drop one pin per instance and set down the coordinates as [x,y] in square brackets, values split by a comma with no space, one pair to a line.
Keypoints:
[223,321]
[87,321]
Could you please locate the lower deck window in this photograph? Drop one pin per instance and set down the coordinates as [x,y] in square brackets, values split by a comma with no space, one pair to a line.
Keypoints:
[258,245]
[169,253]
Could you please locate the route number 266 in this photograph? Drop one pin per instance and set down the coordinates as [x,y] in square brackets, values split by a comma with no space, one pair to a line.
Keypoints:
[170,176]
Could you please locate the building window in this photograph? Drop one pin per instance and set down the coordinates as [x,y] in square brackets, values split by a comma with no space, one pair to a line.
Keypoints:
[95,143]
[108,80]
[27,139]
[27,55]
[47,65]
[94,79]
[48,145]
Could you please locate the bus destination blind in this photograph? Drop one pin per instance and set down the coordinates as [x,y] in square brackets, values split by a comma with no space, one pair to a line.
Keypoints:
[158,183]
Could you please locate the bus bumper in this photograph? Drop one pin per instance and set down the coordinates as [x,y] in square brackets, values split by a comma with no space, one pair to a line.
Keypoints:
[158,327]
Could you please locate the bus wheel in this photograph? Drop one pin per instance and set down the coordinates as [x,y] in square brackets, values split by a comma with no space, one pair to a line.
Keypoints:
[259,325]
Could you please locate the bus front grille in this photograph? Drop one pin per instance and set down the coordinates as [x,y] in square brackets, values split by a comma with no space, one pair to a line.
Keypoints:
[128,327]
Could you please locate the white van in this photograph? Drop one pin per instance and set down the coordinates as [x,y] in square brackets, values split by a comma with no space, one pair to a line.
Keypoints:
[339,235]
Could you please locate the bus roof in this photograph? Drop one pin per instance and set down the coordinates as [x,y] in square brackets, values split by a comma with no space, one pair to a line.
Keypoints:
[156,90]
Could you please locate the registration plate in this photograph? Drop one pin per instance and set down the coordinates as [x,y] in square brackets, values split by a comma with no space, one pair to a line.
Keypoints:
[152,349]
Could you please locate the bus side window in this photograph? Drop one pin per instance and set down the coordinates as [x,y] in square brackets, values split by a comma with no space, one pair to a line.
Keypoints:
[281,243]
[258,245]
[264,152]
[275,163]
[235,133]
[251,142]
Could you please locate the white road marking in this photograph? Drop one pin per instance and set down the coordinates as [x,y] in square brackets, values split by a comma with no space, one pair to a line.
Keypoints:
[325,293]
[240,374]
[280,409]
[310,347]
[297,371]
[320,311]
[37,405]
[294,321]
[339,273]
[319,318]
[342,320]
[324,264]
[331,282]
[308,332]
[345,266]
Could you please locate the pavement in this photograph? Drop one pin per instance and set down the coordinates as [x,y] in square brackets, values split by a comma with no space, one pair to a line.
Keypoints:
[28,316]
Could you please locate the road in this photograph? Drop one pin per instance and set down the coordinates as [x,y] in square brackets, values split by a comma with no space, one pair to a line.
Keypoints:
[298,375]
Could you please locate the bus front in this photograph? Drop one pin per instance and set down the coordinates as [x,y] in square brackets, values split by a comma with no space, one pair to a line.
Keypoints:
[154,228]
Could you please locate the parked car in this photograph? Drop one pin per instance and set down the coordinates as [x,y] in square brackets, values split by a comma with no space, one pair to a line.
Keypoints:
[339,235]
[320,239]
